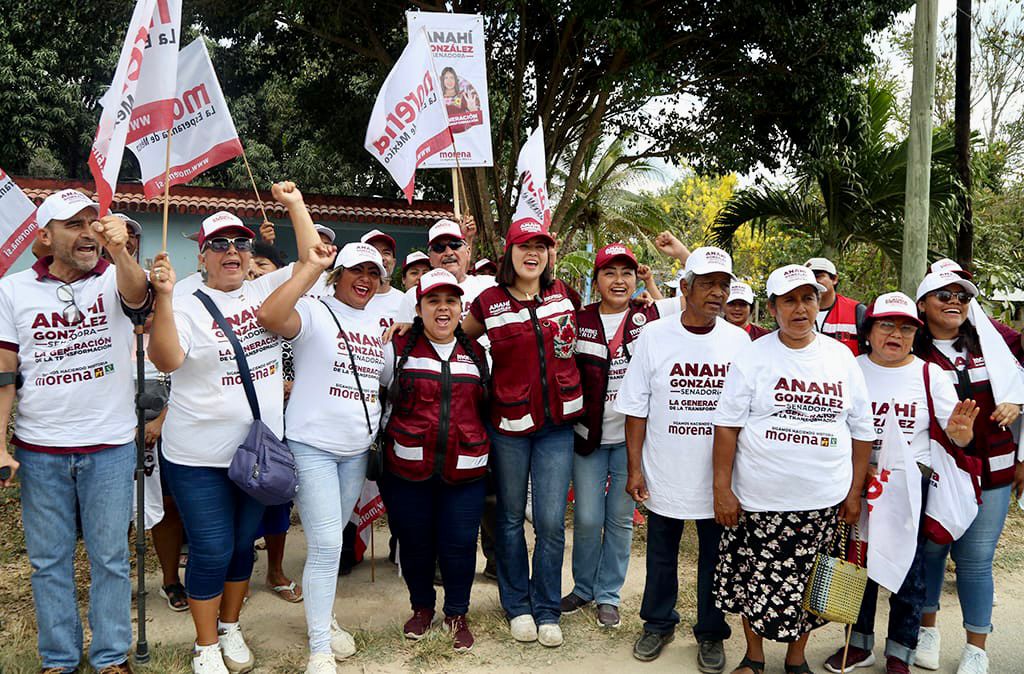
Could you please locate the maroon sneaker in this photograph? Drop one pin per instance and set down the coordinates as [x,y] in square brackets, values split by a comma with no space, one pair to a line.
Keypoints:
[418,625]
[462,638]
[894,665]
[855,657]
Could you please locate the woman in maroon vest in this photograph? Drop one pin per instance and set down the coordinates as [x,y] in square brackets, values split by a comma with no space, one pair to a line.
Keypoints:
[530,320]
[950,341]
[603,516]
[435,454]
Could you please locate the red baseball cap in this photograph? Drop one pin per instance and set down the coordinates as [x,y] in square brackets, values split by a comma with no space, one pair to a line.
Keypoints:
[524,230]
[614,252]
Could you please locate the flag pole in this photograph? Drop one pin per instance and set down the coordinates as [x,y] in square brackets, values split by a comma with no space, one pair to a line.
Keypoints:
[455,193]
[373,558]
[167,186]
[252,180]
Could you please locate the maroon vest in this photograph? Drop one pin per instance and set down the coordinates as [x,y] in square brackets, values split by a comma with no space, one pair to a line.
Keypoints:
[593,360]
[535,379]
[841,323]
[756,331]
[436,425]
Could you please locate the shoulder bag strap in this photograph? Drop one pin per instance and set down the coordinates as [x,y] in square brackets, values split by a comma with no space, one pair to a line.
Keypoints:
[240,359]
[355,371]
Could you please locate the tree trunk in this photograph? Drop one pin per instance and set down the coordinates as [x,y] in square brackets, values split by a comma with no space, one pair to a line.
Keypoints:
[962,131]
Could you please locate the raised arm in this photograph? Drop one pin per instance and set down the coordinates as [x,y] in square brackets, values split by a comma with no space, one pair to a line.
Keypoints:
[289,196]
[165,350]
[112,233]
[277,313]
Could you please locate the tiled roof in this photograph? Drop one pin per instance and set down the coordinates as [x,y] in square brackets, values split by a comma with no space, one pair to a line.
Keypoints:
[206,200]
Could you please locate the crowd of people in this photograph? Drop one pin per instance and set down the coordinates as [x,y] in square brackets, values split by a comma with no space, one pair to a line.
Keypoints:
[476,398]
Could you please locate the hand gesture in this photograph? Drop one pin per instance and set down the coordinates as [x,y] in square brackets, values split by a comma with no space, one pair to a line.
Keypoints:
[960,427]
[399,328]
[636,487]
[644,299]
[1005,414]
[161,275]
[727,507]
[643,272]
[112,233]
[286,194]
[322,255]
[7,461]
[267,232]
[468,226]
[668,244]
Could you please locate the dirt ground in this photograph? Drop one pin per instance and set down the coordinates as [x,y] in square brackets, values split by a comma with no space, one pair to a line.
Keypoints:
[375,610]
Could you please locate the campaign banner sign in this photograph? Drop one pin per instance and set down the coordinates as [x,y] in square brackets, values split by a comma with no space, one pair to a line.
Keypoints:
[17,222]
[531,166]
[145,67]
[408,124]
[460,63]
[203,134]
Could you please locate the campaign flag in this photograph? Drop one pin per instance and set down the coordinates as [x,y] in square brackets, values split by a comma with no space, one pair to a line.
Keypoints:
[203,133]
[17,222]
[460,64]
[533,203]
[894,508]
[369,507]
[144,77]
[409,122]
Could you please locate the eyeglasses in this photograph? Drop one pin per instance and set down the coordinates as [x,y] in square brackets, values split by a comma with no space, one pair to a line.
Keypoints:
[454,244]
[222,244]
[71,312]
[945,296]
[889,327]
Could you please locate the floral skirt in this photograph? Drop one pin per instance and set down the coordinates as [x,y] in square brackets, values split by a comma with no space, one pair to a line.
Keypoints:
[763,567]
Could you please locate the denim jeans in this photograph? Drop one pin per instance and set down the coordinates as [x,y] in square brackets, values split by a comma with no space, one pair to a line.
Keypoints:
[545,457]
[973,554]
[658,608]
[221,522]
[99,485]
[602,524]
[436,524]
[329,487]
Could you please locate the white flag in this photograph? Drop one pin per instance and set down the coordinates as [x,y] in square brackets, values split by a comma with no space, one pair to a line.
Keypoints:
[894,508]
[144,76]
[533,205]
[17,222]
[409,122]
[203,134]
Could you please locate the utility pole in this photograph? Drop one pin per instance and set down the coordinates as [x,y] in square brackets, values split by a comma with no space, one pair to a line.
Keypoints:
[962,133]
[922,102]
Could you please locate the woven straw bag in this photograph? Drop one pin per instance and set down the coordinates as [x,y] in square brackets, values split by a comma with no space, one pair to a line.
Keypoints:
[835,589]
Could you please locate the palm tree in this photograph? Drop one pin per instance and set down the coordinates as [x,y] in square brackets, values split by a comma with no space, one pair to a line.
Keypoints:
[850,188]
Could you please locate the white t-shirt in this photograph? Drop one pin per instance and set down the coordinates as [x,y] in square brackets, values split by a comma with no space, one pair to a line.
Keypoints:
[797,410]
[78,389]
[673,380]
[189,284]
[208,415]
[471,287]
[386,307]
[613,424]
[325,410]
[904,387]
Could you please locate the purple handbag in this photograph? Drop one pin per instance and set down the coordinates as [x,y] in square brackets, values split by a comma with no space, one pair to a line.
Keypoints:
[263,466]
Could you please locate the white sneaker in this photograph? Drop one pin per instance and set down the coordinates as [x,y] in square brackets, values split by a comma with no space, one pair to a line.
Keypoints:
[523,628]
[973,660]
[321,663]
[550,635]
[342,643]
[928,645]
[208,660]
[237,656]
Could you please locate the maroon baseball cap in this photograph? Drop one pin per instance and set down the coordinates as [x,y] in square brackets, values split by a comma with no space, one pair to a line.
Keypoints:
[524,230]
[614,252]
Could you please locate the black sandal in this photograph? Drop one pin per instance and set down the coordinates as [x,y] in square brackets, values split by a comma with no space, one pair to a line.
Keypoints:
[175,596]
[753,665]
[802,668]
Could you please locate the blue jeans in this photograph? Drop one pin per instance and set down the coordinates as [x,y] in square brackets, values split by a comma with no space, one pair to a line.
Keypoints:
[436,525]
[599,562]
[220,520]
[973,554]
[99,485]
[544,457]
[329,487]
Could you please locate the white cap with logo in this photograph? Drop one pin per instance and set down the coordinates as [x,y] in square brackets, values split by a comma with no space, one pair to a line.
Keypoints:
[62,205]
[414,257]
[824,264]
[945,264]
[437,278]
[325,230]
[218,222]
[789,277]
[444,227]
[709,260]
[894,305]
[356,253]
[940,279]
[740,292]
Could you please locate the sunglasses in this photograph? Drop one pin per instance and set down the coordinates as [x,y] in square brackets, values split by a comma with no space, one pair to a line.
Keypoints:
[222,244]
[945,296]
[454,244]
[889,327]
[71,312]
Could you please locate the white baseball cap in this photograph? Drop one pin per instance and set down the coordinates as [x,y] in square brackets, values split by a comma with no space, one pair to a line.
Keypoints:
[821,264]
[709,260]
[414,257]
[894,305]
[740,292]
[325,230]
[132,224]
[356,253]
[483,262]
[437,278]
[676,280]
[444,227]
[62,205]
[945,264]
[940,279]
[218,222]
[374,234]
[789,277]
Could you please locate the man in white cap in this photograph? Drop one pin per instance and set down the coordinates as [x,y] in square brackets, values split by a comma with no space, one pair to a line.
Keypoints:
[838,316]
[66,335]
[738,308]
[388,300]
[668,396]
